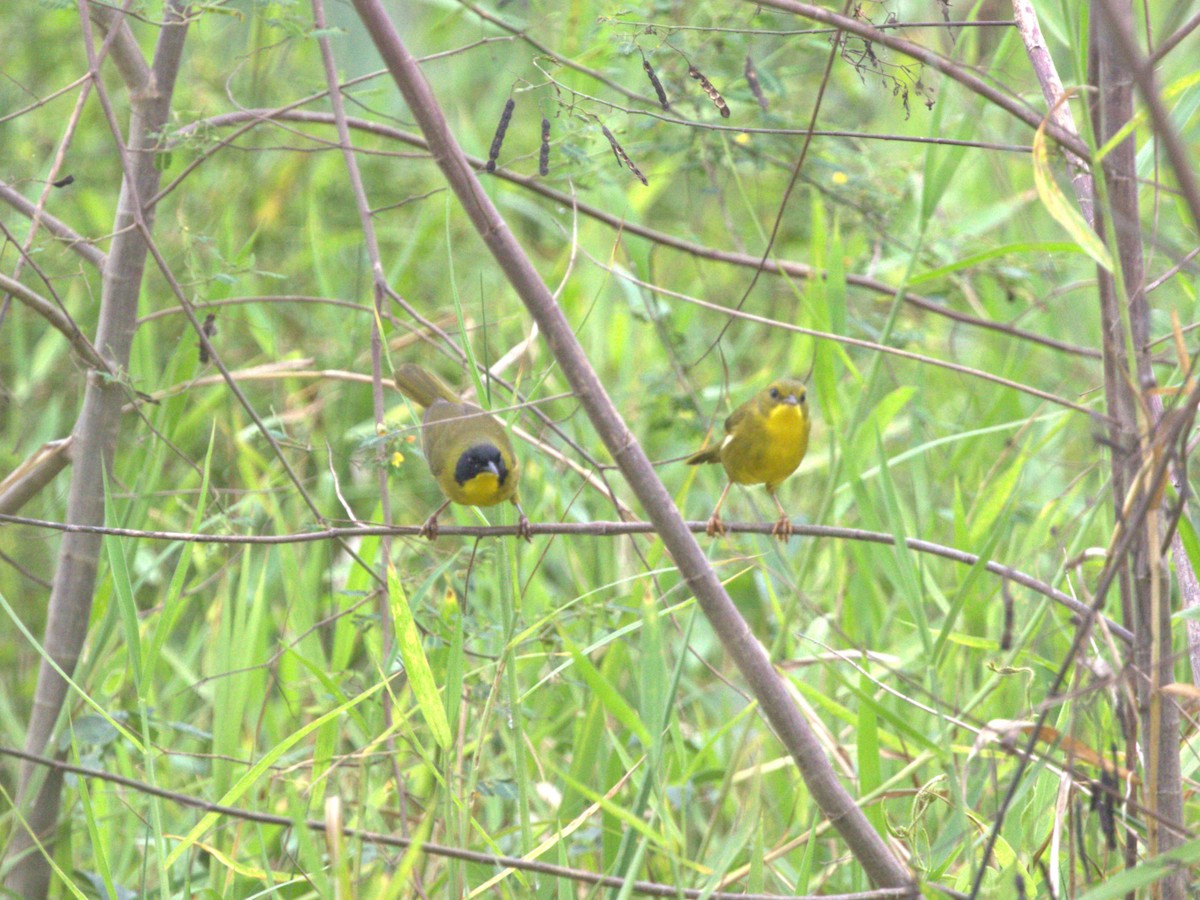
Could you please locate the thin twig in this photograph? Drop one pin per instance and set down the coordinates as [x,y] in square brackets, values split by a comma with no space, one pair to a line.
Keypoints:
[581,529]
[772,266]
[1002,100]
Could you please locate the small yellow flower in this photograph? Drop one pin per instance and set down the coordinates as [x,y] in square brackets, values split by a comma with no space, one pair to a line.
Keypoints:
[397,459]
[840,178]
[742,139]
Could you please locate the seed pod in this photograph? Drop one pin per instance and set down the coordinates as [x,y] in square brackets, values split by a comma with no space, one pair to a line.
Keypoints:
[501,128]
[713,94]
[544,156]
[1007,632]
[755,87]
[622,156]
[1108,806]
[658,88]
[209,328]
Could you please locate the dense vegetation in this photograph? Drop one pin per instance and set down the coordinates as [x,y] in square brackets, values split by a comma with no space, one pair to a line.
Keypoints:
[867,222]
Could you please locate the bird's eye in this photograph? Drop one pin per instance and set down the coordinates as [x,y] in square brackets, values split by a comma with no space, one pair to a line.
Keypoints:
[774,393]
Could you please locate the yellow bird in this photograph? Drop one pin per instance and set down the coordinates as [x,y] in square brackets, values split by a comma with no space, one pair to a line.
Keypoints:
[467,450]
[765,439]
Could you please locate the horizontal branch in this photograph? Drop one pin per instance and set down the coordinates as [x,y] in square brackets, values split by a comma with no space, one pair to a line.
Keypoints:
[588,529]
[650,888]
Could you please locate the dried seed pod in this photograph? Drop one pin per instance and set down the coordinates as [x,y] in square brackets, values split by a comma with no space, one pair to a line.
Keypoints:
[658,88]
[1007,632]
[544,155]
[501,129]
[713,94]
[622,156]
[1108,805]
[755,87]
[209,328]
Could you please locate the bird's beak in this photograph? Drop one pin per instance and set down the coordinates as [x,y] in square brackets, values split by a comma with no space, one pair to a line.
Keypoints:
[494,469]
[791,400]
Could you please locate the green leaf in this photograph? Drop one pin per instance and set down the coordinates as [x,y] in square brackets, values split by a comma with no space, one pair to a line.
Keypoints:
[607,693]
[1060,208]
[416,664]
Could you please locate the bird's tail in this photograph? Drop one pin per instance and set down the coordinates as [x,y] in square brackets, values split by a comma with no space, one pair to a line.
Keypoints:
[707,455]
[421,386]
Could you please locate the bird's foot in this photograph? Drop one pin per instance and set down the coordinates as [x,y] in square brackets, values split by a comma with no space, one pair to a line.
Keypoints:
[715,527]
[783,529]
[523,529]
[429,530]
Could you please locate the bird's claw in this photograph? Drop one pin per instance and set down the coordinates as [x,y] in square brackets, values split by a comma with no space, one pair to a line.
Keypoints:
[783,529]
[429,530]
[715,527]
[523,529]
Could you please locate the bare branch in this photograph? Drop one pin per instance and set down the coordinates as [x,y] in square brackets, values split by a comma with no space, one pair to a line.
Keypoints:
[747,653]
[33,474]
[972,82]
[60,229]
[587,529]
[58,319]
[773,266]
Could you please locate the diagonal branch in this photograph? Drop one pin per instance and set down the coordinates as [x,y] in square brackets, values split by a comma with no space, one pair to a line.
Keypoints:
[746,651]
[970,81]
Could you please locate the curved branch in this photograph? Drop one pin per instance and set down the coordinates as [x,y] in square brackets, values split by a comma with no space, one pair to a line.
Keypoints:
[744,260]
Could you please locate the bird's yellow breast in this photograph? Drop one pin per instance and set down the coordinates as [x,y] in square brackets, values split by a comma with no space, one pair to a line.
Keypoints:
[766,449]
[484,489]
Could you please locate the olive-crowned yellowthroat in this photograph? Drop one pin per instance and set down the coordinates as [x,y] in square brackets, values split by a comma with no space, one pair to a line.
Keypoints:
[765,439]
[467,450]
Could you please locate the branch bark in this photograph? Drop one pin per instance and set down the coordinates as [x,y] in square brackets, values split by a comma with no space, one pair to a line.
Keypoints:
[33,474]
[95,433]
[746,651]
[1129,380]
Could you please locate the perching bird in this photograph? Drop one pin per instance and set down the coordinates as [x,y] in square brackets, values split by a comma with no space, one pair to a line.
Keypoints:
[765,439]
[467,450]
